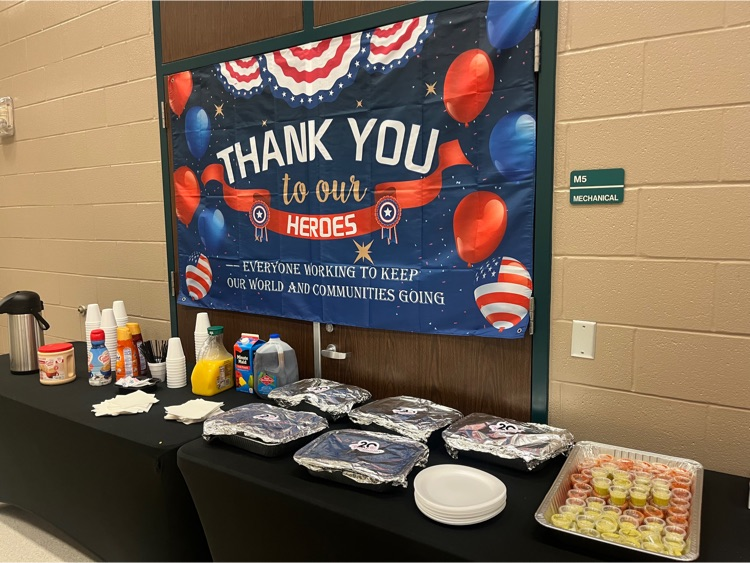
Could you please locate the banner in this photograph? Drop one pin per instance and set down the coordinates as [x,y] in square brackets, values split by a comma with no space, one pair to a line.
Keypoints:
[381,179]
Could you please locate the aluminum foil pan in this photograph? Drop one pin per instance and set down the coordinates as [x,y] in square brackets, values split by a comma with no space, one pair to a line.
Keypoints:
[557,495]
[265,423]
[409,416]
[330,397]
[526,443]
[364,457]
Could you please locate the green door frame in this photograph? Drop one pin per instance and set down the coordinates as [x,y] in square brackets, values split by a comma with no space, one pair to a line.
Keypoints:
[544,162]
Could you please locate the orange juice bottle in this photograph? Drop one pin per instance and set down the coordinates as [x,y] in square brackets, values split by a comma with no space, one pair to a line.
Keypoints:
[213,373]
[127,355]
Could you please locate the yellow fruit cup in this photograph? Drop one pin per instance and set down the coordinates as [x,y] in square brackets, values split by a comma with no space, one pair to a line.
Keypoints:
[601,486]
[639,496]
[590,532]
[618,495]
[661,497]
[584,522]
[674,546]
[611,537]
[577,504]
[593,511]
[563,521]
[605,525]
[612,512]
[628,523]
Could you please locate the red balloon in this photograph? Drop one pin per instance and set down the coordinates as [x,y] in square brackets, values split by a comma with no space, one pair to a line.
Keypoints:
[179,88]
[187,194]
[479,225]
[468,85]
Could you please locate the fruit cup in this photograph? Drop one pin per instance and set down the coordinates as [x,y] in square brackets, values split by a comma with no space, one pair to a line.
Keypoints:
[594,512]
[605,525]
[638,496]
[682,494]
[651,510]
[596,502]
[681,482]
[674,532]
[624,463]
[583,522]
[599,473]
[674,546]
[610,511]
[577,504]
[604,458]
[661,497]
[679,521]
[569,511]
[587,473]
[621,474]
[562,521]
[655,522]
[622,483]
[678,511]
[610,466]
[618,495]
[584,487]
[576,478]
[679,502]
[586,463]
[628,522]
[590,532]
[601,486]
[575,493]
[634,514]
[659,467]
[661,483]
[650,531]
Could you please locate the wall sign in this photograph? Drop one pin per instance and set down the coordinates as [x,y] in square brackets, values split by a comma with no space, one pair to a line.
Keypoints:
[381,179]
[597,186]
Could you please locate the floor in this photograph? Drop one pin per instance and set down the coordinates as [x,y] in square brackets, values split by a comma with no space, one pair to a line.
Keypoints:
[24,537]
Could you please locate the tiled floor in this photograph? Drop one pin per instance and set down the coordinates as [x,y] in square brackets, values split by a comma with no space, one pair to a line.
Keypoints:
[24,537]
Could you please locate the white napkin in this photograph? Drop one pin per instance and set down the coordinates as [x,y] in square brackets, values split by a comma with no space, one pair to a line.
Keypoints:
[193,411]
[133,403]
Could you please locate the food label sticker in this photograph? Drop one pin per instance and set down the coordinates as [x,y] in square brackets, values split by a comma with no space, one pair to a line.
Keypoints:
[271,417]
[367,447]
[407,411]
[505,427]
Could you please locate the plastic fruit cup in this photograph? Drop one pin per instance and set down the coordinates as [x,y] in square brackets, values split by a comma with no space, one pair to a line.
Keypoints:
[638,496]
[593,502]
[679,521]
[659,467]
[654,521]
[624,463]
[651,510]
[569,511]
[583,522]
[610,511]
[678,511]
[586,463]
[628,522]
[575,493]
[577,504]
[639,473]
[595,513]
[620,474]
[610,466]
[598,473]
[634,514]
[621,506]
[562,521]
[682,503]
[584,487]
[681,482]
[604,458]
[661,497]
[661,483]
[618,495]
[674,546]
[590,532]
[674,531]
[650,531]
[675,471]
[653,546]
[605,525]
[601,486]
[682,494]
[587,473]
[611,537]
[578,478]
[622,483]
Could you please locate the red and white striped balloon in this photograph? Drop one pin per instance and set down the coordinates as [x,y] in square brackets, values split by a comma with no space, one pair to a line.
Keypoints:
[198,277]
[503,292]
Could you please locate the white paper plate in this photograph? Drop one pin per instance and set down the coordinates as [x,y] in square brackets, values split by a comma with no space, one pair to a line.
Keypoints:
[458,488]
[454,516]
[452,521]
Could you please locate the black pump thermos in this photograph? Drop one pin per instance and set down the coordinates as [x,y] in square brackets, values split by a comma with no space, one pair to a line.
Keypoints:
[25,327]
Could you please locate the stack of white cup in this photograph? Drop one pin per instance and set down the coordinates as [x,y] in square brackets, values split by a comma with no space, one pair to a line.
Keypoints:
[109,326]
[201,333]
[93,321]
[176,364]
[121,316]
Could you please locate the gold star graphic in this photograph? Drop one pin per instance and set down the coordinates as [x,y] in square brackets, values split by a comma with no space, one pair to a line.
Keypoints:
[359,103]
[363,252]
[430,89]
[265,122]
[219,110]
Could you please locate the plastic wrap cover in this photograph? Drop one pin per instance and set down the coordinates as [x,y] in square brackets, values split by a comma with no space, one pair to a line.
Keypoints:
[372,458]
[409,416]
[266,423]
[507,438]
[331,397]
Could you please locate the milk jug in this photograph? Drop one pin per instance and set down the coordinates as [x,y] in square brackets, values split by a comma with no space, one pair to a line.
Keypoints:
[275,366]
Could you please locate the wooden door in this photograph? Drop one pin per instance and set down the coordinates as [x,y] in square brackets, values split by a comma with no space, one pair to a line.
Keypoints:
[468,373]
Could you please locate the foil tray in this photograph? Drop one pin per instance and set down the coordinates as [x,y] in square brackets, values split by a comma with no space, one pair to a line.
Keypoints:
[557,494]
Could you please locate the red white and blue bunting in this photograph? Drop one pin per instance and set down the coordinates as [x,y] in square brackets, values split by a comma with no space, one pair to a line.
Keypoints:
[242,77]
[391,46]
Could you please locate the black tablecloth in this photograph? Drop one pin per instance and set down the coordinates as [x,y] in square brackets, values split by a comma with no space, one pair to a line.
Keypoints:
[111,483]
[259,509]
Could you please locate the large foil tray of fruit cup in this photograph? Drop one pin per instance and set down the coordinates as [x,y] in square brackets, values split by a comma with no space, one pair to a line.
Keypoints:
[557,495]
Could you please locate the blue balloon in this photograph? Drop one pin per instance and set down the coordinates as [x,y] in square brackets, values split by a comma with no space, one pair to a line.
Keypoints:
[197,131]
[509,21]
[513,146]
[212,230]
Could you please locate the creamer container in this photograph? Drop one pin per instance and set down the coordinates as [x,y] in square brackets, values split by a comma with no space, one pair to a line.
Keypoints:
[135,332]
[100,364]
[127,355]
[244,354]
[213,372]
[57,364]
[275,365]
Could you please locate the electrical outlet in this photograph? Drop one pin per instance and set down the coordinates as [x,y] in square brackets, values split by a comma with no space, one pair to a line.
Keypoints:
[583,339]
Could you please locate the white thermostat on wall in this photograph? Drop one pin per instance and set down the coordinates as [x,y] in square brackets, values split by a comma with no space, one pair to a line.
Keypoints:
[6,117]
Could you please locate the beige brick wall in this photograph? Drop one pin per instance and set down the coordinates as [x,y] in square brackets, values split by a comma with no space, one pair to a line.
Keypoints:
[81,212]
[661,89]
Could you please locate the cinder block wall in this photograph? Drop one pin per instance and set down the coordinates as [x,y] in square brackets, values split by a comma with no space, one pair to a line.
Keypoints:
[661,89]
[81,213]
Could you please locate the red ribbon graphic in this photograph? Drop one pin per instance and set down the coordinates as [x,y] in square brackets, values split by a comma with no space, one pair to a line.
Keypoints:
[408,193]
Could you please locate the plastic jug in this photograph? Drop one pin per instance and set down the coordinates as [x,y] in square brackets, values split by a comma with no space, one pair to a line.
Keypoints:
[275,365]
[213,372]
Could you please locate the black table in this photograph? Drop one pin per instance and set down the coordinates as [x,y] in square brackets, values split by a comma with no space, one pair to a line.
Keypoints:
[262,509]
[111,483]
